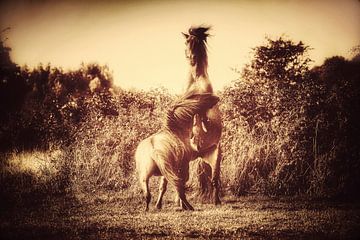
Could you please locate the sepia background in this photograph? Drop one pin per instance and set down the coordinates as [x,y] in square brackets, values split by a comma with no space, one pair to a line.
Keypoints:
[83,82]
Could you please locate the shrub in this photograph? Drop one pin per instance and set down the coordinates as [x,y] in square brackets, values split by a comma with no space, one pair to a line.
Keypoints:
[104,147]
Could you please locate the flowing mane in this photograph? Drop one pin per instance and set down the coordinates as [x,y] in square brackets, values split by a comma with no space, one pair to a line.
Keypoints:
[196,39]
[181,115]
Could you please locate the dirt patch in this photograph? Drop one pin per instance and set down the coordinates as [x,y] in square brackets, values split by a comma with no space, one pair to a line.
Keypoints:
[245,218]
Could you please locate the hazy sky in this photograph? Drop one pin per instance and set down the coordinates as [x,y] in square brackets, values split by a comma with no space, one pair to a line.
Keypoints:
[141,40]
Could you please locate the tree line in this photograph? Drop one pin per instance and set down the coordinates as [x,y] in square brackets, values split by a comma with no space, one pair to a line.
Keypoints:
[288,128]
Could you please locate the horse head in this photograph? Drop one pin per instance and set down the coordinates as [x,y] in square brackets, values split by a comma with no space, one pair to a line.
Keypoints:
[196,51]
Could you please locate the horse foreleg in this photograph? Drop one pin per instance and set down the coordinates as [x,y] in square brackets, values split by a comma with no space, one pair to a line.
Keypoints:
[162,190]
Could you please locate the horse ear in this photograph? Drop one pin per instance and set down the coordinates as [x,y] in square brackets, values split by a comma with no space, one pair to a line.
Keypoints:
[185,35]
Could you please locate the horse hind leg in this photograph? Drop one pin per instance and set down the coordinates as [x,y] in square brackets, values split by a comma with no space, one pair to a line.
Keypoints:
[183,201]
[144,182]
[180,198]
[216,177]
[213,159]
[180,203]
[162,190]
[177,200]
[177,177]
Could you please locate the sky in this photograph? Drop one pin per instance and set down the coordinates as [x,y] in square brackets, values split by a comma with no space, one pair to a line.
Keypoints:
[141,41]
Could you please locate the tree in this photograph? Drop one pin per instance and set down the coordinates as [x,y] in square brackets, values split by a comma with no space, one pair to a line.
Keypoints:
[279,60]
[12,86]
[335,117]
[274,82]
[269,102]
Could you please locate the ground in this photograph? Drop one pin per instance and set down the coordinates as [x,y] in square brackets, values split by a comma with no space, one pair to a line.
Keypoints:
[116,217]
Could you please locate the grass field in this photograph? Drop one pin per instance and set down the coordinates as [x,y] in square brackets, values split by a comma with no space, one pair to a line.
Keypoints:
[116,217]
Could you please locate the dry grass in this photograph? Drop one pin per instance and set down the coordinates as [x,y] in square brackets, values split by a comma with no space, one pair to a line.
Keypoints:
[115,216]
[101,213]
[31,176]
[41,164]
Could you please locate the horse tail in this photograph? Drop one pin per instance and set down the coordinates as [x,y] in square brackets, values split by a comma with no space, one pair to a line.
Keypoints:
[167,169]
[169,159]
[208,175]
[204,179]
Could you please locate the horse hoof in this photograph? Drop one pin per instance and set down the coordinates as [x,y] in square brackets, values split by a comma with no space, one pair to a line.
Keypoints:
[189,208]
[159,206]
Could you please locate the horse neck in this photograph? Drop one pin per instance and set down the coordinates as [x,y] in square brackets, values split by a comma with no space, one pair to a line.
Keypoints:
[198,81]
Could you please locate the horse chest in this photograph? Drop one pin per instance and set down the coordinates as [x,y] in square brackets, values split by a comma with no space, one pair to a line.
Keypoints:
[201,85]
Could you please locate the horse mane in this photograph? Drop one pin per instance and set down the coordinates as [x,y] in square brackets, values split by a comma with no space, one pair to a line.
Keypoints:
[200,32]
[197,41]
[181,115]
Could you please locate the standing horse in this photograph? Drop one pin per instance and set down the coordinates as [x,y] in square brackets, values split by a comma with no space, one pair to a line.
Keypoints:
[168,152]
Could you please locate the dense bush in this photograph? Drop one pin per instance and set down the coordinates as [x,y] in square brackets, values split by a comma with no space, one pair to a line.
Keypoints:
[104,146]
[334,119]
[45,104]
[292,130]
[287,129]
[266,108]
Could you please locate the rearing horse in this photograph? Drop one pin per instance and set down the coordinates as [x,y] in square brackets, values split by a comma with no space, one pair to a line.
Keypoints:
[168,152]
[199,83]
